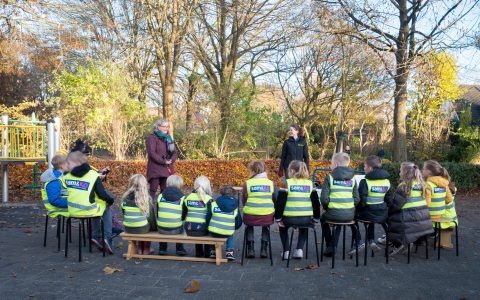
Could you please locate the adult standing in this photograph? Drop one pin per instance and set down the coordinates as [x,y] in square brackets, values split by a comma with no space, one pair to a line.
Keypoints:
[294,148]
[161,155]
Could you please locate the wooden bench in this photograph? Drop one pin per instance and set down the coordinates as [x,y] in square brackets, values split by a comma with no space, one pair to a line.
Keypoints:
[178,238]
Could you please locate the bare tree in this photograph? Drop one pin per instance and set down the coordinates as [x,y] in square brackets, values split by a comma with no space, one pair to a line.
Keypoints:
[419,24]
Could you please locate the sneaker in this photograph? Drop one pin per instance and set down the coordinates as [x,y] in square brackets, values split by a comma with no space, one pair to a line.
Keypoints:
[116,232]
[298,254]
[212,254]
[374,246]
[353,250]
[108,246]
[285,254]
[395,250]
[229,255]
[97,244]
[382,240]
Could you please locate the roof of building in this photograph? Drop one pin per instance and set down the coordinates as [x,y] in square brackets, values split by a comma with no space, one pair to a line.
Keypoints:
[471,94]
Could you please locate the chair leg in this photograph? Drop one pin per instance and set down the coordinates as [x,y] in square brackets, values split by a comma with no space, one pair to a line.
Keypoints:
[103,235]
[244,243]
[83,233]
[343,247]
[58,232]
[63,224]
[435,237]
[69,228]
[408,256]
[426,247]
[316,245]
[80,240]
[45,234]
[321,246]
[89,229]
[290,247]
[66,237]
[437,225]
[456,236]
[366,244]
[356,244]
[306,245]
[387,241]
[270,247]
[335,241]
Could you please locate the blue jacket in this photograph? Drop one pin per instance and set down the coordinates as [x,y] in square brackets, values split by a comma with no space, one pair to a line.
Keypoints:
[226,204]
[54,188]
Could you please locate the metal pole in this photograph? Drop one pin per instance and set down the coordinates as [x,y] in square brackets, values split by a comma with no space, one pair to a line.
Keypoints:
[57,133]
[5,166]
[51,141]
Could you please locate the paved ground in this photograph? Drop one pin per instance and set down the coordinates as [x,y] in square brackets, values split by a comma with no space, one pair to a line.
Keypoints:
[30,271]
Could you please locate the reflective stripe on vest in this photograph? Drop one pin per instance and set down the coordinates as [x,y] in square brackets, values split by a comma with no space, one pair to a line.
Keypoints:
[79,190]
[415,198]
[341,194]
[259,200]
[298,199]
[222,222]
[51,209]
[437,204]
[169,213]
[196,209]
[377,189]
[133,216]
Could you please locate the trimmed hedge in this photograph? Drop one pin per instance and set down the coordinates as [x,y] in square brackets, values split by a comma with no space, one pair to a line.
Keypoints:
[220,172]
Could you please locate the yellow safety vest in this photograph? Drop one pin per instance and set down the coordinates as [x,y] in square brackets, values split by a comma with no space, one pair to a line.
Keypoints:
[298,199]
[341,194]
[415,198]
[54,211]
[437,204]
[196,209]
[450,213]
[169,213]
[377,189]
[133,216]
[259,200]
[222,222]
[79,190]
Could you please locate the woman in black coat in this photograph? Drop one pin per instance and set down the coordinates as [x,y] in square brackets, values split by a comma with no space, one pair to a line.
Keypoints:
[294,148]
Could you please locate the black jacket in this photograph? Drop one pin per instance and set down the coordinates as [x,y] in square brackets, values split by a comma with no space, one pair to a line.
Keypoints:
[407,225]
[281,201]
[294,150]
[98,187]
[339,215]
[226,204]
[378,212]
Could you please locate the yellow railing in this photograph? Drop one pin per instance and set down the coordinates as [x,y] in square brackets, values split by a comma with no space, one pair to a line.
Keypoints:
[23,142]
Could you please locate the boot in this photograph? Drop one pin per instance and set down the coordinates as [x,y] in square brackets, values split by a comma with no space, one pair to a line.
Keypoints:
[199,251]
[250,250]
[263,249]
[446,239]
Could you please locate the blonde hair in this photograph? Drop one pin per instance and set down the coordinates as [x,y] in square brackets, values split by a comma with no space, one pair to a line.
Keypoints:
[77,157]
[409,172]
[138,185]
[341,159]
[203,188]
[58,160]
[256,167]
[175,181]
[298,169]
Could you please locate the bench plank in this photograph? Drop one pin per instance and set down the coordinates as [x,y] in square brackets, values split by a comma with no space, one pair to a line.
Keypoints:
[181,258]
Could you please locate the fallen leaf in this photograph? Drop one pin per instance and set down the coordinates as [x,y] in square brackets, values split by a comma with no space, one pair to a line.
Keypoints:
[195,287]
[110,270]
[98,280]
[27,230]
[31,296]
[3,222]
[14,274]
[312,267]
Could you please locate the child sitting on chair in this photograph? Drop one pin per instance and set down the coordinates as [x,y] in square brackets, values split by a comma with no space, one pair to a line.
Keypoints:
[54,190]
[223,219]
[375,196]
[138,213]
[170,214]
[298,205]
[339,197]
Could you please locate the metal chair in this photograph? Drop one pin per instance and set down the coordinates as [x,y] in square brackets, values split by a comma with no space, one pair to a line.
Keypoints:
[245,244]
[341,225]
[306,242]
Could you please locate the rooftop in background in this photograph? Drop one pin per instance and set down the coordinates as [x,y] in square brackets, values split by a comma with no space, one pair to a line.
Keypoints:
[471,94]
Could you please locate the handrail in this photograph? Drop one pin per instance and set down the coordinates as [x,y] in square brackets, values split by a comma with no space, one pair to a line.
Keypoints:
[23,142]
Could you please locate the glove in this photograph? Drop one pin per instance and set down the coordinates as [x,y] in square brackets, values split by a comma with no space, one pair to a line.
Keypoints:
[280,172]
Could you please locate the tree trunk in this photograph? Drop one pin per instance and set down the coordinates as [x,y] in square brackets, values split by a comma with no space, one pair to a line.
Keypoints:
[167,91]
[192,90]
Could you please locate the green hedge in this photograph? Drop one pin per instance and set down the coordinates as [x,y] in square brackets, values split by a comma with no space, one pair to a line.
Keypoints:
[465,175]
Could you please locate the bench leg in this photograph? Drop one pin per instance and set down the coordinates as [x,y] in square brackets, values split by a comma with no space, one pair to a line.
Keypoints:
[132,249]
[218,254]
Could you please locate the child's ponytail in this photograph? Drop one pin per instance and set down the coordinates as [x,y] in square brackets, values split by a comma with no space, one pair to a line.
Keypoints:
[202,188]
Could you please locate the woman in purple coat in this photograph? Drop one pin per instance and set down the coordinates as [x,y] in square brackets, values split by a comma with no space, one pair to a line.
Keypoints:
[161,154]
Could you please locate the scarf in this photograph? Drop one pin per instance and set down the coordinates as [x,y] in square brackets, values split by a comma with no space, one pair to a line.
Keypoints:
[168,138]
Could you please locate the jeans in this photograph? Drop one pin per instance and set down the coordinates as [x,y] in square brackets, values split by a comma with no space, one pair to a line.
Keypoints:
[370,232]
[107,226]
[250,233]
[230,243]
